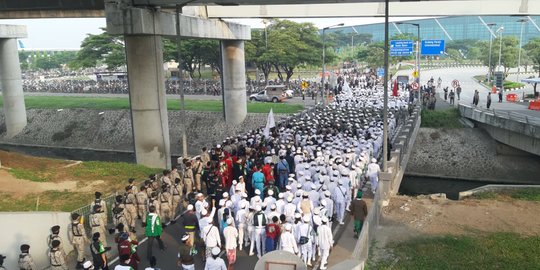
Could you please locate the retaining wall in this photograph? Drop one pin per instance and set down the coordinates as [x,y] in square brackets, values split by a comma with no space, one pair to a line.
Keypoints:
[111,130]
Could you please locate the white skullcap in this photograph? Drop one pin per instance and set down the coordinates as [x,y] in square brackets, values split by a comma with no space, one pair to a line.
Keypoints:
[204,212]
[374,160]
[280,195]
[229,221]
[258,208]
[306,218]
[190,207]
[185,237]
[258,192]
[225,194]
[216,251]
[87,264]
[288,227]
[270,192]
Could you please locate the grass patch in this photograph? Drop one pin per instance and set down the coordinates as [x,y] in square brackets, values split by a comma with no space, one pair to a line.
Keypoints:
[492,251]
[28,175]
[103,103]
[527,194]
[441,119]
[113,174]
[506,84]
[48,201]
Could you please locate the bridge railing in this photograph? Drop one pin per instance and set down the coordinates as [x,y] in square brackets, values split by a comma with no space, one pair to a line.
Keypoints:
[505,114]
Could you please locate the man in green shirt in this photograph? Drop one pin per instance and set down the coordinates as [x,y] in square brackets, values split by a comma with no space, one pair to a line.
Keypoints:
[153,231]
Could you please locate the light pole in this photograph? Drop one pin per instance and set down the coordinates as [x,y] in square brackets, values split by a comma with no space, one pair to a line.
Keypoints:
[500,31]
[352,40]
[417,47]
[522,21]
[324,59]
[265,22]
[490,44]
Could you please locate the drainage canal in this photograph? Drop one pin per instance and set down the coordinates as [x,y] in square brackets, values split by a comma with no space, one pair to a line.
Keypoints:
[416,185]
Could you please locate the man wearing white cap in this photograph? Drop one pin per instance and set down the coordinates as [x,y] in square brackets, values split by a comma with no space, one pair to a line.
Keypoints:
[200,204]
[241,218]
[211,236]
[340,197]
[214,262]
[185,255]
[259,223]
[325,241]
[230,233]
[305,239]
[373,174]
[287,241]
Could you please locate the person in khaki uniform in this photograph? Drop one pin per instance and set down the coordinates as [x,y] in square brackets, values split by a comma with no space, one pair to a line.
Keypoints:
[103,204]
[205,157]
[56,257]
[133,186]
[197,170]
[77,237]
[153,200]
[142,200]
[165,201]
[188,178]
[119,216]
[26,262]
[166,178]
[55,231]
[130,208]
[96,224]
[177,193]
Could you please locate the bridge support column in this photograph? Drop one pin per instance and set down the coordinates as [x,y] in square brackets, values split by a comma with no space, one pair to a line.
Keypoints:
[148,101]
[234,81]
[11,85]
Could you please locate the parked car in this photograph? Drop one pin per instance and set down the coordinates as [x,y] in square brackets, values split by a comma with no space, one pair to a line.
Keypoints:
[271,93]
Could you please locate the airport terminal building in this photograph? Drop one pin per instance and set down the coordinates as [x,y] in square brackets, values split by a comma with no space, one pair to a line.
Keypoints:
[455,28]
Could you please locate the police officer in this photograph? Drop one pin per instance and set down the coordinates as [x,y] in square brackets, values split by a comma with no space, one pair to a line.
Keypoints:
[26,262]
[57,258]
[77,237]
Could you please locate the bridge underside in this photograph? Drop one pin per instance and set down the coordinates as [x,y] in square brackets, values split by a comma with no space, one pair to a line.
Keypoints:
[16,9]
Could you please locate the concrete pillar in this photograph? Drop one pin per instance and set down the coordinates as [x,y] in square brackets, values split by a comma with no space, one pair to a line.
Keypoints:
[148,101]
[234,81]
[11,85]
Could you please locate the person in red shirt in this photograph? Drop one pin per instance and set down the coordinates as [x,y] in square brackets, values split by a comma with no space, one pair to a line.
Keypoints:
[268,172]
[272,234]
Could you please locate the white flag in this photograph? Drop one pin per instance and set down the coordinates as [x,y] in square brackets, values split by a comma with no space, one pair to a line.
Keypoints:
[270,123]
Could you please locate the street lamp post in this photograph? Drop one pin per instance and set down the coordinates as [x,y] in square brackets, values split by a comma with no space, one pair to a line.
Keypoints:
[522,21]
[500,31]
[323,61]
[417,47]
[490,44]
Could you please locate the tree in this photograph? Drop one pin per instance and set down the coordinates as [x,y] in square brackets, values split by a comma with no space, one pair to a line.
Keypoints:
[291,45]
[100,48]
[195,54]
[533,52]
[254,49]
[463,47]
[509,53]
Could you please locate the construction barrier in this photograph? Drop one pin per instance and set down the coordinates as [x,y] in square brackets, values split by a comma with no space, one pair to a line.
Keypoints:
[534,105]
[494,90]
[511,97]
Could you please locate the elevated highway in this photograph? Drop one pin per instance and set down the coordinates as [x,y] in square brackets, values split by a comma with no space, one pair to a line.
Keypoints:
[16,9]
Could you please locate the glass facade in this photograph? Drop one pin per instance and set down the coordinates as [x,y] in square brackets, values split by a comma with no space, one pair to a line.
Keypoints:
[454,28]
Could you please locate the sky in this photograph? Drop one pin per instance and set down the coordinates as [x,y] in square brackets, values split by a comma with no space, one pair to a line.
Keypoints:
[68,33]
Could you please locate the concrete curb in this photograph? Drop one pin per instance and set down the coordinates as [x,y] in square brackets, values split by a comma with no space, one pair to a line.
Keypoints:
[488,188]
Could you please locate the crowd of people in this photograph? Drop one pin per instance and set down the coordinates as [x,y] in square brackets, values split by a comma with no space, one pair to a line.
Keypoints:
[282,188]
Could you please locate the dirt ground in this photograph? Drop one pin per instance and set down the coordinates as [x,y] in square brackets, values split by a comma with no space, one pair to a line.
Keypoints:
[61,181]
[408,217]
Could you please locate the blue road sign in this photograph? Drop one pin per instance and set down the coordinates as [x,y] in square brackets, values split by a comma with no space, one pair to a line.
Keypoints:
[380,72]
[433,47]
[401,47]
